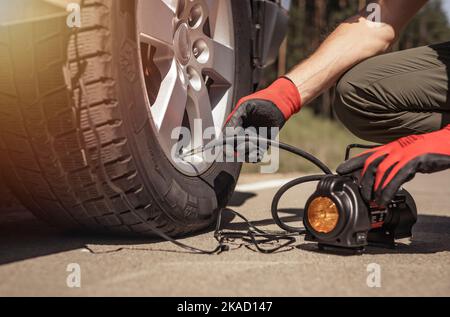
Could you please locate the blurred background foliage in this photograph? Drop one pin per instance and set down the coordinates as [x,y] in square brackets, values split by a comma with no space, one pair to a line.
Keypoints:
[316,129]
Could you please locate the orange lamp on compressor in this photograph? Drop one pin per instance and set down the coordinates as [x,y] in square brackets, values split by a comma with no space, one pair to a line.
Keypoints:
[323,215]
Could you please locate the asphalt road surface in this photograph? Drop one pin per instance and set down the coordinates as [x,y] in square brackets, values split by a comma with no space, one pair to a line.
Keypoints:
[34,258]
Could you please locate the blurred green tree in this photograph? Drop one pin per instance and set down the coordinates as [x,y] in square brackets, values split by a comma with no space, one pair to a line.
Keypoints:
[429,26]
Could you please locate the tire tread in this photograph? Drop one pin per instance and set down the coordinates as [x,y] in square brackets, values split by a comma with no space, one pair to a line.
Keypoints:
[54,164]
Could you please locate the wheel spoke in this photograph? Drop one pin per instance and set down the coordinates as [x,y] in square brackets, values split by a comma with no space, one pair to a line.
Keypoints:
[213,14]
[221,61]
[156,21]
[202,105]
[170,106]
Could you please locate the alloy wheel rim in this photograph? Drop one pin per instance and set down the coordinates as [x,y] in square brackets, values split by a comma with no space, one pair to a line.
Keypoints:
[188,66]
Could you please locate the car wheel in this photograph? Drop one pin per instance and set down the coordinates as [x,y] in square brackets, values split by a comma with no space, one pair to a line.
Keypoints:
[88,115]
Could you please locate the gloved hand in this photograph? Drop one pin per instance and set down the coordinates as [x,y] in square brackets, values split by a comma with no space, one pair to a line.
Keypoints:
[385,169]
[268,108]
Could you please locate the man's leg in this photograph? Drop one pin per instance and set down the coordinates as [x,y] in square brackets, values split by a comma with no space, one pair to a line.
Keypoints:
[397,94]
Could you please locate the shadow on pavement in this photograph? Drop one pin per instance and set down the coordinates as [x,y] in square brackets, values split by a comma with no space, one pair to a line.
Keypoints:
[240,198]
[24,237]
[295,215]
[431,235]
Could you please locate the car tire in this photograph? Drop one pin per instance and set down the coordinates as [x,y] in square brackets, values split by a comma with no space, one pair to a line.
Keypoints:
[77,144]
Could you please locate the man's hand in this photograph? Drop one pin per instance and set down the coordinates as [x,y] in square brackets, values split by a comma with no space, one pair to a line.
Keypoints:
[268,108]
[387,168]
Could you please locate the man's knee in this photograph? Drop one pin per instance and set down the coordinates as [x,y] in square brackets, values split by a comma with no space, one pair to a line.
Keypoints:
[382,98]
[346,98]
[357,106]
[352,106]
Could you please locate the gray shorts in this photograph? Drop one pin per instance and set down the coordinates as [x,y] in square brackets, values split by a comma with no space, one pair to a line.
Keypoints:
[398,94]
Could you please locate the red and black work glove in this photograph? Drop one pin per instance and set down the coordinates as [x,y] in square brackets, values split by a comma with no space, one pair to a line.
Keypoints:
[268,108]
[385,169]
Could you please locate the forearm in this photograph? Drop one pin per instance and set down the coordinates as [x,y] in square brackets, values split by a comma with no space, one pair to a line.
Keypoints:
[344,48]
[352,42]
